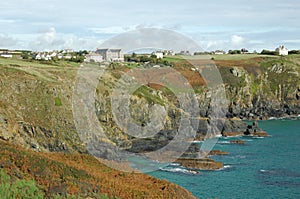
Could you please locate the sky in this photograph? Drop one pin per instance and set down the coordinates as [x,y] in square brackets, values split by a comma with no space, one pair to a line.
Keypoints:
[220,24]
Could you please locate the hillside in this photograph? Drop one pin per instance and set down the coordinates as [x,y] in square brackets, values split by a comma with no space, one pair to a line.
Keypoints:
[63,175]
[37,126]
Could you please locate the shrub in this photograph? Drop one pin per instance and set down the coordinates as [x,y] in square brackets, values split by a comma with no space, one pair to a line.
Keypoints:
[18,189]
[58,101]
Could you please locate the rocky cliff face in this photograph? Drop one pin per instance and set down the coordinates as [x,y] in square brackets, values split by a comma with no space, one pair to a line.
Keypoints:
[269,90]
[36,103]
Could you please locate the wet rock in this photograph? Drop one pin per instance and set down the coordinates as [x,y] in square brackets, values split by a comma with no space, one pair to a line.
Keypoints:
[237,141]
[218,152]
[200,163]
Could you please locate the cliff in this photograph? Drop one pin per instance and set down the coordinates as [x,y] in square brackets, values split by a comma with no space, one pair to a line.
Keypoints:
[36,103]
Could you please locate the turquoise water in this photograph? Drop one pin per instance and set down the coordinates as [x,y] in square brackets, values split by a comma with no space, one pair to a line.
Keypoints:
[262,168]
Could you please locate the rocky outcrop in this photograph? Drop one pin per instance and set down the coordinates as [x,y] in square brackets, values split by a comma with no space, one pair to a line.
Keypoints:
[218,152]
[200,163]
[237,141]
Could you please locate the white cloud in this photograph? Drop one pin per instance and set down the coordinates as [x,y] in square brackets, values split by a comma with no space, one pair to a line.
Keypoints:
[237,40]
[292,41]
[7,41]
[50,39]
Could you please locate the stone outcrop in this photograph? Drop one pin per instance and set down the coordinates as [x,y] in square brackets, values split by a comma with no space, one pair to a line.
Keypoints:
[237,141]
[200,163]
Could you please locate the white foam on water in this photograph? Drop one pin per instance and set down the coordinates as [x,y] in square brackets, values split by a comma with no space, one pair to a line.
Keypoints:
[175,164]
[223,142]
[262,170]
[256,137]
[225,167]
[177,169]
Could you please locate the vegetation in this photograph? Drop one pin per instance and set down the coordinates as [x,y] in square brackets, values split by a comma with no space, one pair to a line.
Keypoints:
[58,101]
[48,85]
[14,189]
[60,175]
[152,59]
[268,52]
[234,52]
[294,52]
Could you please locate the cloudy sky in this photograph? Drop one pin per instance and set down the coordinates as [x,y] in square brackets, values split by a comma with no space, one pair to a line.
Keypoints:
[218,24]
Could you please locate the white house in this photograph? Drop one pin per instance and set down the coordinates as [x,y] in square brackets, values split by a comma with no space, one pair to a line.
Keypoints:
[281,50]
[169,52]
[185,52]
[43,56]
[68,56]
[158,54]
[93,57]
[6,55]
[219,52]
[111,55]
[53,54]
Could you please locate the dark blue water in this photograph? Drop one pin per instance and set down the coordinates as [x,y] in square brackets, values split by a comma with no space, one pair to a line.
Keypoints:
[262,168]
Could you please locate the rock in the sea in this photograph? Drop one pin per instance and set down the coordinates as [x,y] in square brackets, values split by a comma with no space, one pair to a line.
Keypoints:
[218,152]
[237,141]
[200,163]
[254,130]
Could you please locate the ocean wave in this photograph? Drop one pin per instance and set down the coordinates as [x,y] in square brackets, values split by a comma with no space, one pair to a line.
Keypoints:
[178,170]
[256,137]
[262,170]
[223,142]
[174,164]
[292,117]
[225,167]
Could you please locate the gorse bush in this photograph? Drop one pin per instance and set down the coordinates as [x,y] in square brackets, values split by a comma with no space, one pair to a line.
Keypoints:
[10,189]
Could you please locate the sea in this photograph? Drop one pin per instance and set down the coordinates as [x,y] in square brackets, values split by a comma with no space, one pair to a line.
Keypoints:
[261,168]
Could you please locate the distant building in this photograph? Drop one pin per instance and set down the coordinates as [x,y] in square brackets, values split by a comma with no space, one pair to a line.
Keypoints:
[169,52]
[111,54]
[53,54]
[158,54]
[6,55]
[281,50]
[43,56]
[219,52]
[68,51]
[185,52]
[93,57]
[67,56]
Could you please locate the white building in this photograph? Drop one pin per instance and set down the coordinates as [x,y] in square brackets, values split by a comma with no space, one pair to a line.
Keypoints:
[6,55]
[111,54]
[281,50]
[93,57]
[67,56]
[219,52]
[169,52]
[158,54]
[43,56]
[185,52]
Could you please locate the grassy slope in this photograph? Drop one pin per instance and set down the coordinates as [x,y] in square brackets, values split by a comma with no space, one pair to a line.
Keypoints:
[62,174]
[40,94]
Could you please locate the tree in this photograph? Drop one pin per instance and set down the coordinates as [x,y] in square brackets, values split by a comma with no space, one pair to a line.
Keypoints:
[268,52]
[234,52]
